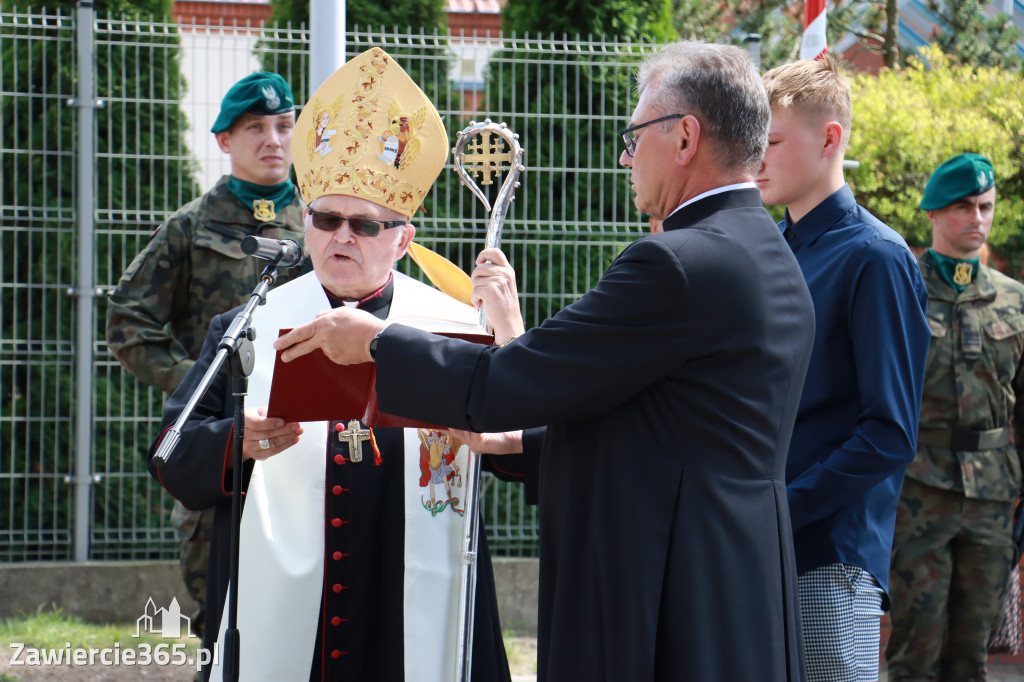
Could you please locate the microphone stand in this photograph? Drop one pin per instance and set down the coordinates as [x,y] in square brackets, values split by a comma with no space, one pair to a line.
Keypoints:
[236,346]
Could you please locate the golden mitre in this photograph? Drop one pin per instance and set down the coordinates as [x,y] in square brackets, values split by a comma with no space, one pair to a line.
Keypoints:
[369,132]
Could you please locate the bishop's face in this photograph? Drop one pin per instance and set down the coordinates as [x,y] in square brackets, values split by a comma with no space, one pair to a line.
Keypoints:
[349,265]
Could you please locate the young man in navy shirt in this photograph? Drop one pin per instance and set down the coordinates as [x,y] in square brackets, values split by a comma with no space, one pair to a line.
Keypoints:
[856,428]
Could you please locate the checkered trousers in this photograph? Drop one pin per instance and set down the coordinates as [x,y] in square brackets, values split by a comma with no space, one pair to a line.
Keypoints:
[840,609]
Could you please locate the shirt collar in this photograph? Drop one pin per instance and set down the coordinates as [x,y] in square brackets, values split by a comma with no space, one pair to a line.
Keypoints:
[717,190]
[377,303]
[822,217]
[981,288]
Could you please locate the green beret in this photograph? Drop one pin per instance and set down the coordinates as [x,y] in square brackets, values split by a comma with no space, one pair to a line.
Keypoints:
[965,175]
[262,93]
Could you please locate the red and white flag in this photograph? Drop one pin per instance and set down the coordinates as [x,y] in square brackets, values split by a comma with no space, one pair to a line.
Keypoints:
[813,45]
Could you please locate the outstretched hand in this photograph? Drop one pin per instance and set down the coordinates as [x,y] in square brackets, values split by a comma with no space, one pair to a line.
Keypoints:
[343,334]
[507,443]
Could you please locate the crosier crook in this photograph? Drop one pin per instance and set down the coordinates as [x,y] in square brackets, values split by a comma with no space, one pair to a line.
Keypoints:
[486,157]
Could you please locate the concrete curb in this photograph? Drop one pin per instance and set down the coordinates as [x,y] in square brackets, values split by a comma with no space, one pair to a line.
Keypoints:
[117,591]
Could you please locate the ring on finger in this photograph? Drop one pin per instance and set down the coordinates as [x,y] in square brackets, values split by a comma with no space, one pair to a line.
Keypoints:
[265,444]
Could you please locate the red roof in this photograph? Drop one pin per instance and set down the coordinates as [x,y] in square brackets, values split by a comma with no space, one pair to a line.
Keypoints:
[474,6]
[481,15]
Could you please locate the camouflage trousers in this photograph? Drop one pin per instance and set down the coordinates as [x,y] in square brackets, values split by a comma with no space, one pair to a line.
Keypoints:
[949,570]
[194,531]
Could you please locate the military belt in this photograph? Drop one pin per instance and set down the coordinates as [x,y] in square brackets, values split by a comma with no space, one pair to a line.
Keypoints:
[961,439]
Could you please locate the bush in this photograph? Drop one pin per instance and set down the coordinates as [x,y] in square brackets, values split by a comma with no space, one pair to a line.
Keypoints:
[908,121]
[142,172]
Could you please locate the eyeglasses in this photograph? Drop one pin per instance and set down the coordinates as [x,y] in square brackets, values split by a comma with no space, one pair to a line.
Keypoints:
[361,227]
[630,141]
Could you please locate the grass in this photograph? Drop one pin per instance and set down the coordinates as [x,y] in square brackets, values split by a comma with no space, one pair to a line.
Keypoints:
[55,629]
[520,651]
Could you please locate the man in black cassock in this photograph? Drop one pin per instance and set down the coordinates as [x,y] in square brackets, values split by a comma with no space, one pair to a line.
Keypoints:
[328,589]
[669,392]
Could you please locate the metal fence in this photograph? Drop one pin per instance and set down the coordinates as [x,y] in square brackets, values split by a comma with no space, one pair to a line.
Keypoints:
[83,184]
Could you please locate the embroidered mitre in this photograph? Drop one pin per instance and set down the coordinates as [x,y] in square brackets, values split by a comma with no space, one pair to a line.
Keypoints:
[369,132]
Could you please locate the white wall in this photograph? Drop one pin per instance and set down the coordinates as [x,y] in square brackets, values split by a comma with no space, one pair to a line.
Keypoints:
[212,61]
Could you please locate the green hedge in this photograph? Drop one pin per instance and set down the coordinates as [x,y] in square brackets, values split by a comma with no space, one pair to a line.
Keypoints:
[908,121]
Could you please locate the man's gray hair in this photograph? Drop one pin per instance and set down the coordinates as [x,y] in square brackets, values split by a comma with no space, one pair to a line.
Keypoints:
[720,86]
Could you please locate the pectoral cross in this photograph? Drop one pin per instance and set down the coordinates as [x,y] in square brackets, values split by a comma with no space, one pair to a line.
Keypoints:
[354,436]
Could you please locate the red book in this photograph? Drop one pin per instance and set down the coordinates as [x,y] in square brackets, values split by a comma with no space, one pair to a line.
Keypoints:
[314,388]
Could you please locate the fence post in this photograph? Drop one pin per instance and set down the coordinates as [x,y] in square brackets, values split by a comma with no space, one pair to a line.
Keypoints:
[86,290]
[752,44]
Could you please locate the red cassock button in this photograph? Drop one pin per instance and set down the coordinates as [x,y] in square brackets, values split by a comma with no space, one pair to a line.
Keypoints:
[336,489]
[337,556]
[338,459]
[335,621]
[337,587]
[336,523]
[335,654]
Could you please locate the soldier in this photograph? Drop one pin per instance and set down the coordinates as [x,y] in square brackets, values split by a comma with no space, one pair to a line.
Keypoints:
[953,549]
[193,267]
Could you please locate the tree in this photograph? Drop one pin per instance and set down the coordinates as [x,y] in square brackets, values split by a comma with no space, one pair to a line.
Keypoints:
[973,37]
[700,20]
[625,19]
[142,171]
[780,25]
[890,44]
[875,23]
[402,14]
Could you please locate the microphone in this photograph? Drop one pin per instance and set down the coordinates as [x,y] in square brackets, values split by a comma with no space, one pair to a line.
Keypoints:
[286,252]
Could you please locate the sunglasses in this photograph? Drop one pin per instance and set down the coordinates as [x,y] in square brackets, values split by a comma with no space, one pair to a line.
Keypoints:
[361,227]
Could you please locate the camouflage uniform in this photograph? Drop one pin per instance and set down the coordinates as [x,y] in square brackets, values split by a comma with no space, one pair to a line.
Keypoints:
[192,269]
[953,550]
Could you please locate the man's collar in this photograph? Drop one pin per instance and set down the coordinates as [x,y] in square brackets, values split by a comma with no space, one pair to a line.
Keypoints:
[379,300]
[980,289]
[743,197]
[822,217]
[716,190]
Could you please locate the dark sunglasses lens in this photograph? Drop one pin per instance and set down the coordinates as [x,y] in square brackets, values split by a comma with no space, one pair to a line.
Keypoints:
[328,222]
[364,227]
